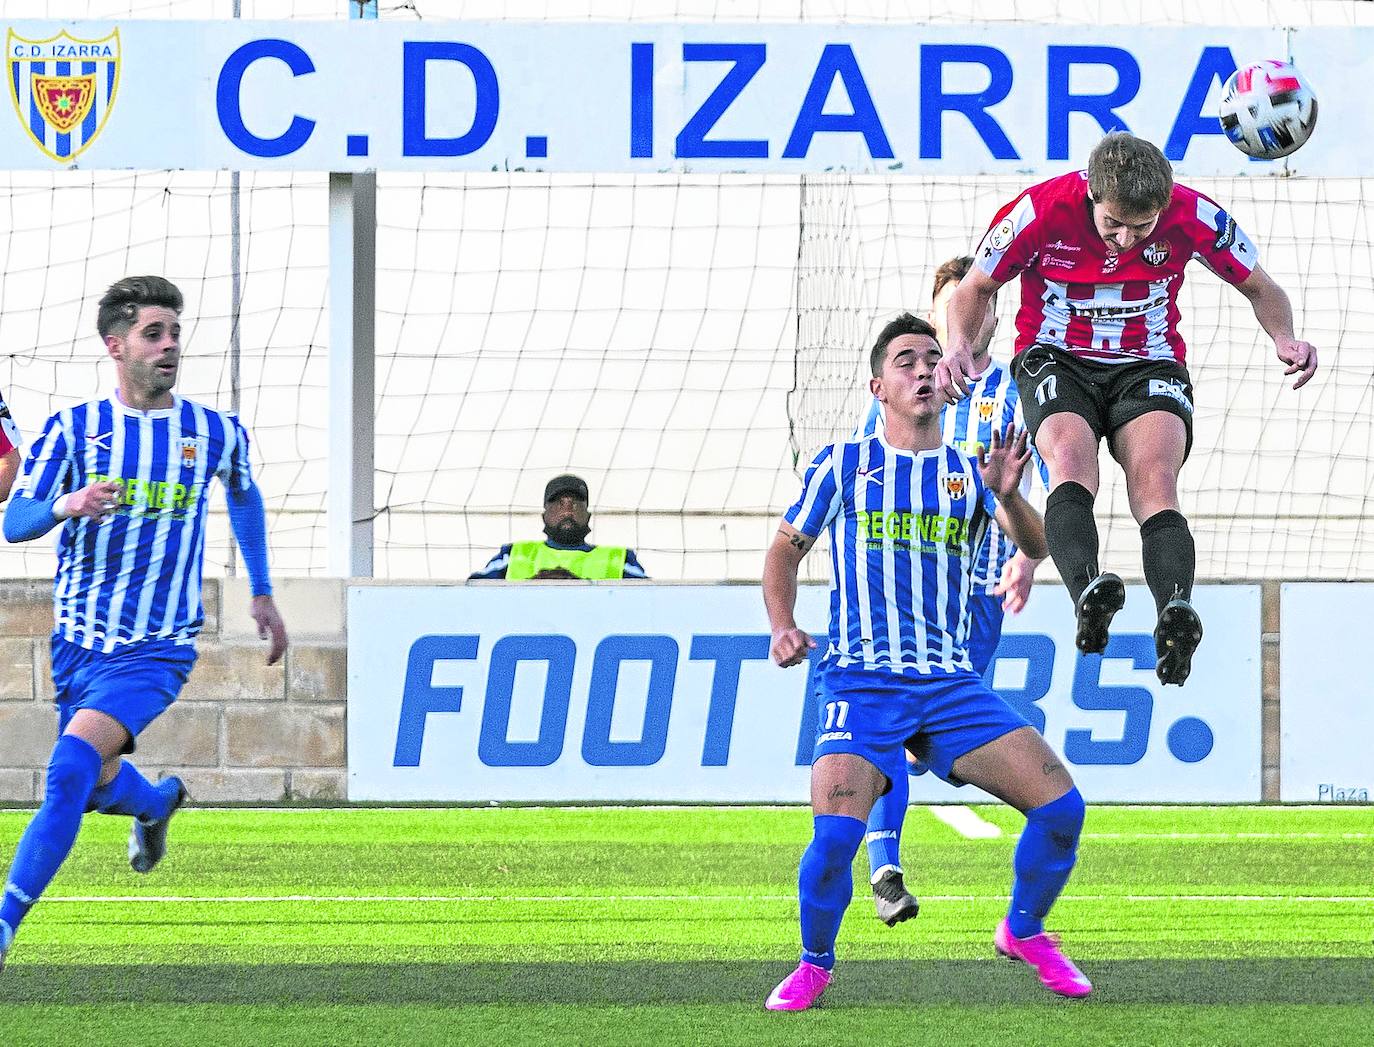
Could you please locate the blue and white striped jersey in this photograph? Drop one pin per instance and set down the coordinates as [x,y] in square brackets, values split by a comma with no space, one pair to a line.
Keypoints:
[137,575]
[905,528]
[992,404]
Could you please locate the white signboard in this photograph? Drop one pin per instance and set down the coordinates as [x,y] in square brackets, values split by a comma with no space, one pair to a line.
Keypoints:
[665,693]
[1326,718]
[473,96]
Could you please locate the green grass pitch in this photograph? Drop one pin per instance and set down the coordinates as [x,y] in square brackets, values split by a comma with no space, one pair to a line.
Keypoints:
[643,926]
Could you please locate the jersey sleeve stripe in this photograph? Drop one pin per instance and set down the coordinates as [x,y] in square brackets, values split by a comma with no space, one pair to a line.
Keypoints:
[1223,246]
[819,501]
[998,240]
[239,474]
[45,473]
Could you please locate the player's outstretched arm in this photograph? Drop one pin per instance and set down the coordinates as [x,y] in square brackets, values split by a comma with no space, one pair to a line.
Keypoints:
[790,644]
[1001,466]
[248,519]
[1275,314]
[964,317]
[1019,519]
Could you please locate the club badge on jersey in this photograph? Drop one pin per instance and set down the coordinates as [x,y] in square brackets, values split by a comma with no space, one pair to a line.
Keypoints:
[905,528]
[993,403]
[135,575]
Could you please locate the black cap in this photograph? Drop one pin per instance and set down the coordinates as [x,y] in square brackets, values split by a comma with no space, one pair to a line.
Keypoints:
[566,484]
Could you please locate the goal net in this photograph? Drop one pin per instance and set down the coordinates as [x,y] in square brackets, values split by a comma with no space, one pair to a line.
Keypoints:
[684,342]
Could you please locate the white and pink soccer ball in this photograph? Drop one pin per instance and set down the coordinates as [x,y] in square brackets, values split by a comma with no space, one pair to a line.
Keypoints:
[1268,109]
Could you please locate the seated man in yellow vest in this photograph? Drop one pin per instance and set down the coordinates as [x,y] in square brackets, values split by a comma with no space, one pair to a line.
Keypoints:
[566,552]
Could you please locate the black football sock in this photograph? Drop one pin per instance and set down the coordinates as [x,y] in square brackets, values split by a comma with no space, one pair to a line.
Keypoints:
[1071,533]
[1166,547]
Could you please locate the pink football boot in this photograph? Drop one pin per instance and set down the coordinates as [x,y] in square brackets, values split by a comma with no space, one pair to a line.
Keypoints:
[1041,951]
[800,989]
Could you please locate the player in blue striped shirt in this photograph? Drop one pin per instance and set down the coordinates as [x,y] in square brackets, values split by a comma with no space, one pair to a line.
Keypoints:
[905,515]
[128,479]
[1002,576]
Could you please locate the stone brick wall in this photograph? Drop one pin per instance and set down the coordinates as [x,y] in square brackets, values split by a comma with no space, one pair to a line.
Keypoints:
[242,731]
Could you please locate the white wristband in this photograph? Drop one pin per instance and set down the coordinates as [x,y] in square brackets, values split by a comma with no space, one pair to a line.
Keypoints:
[59,507]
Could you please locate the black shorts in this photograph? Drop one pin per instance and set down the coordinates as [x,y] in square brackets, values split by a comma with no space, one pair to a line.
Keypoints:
[1106,396]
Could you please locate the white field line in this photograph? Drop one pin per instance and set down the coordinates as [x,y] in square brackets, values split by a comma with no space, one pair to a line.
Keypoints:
[473,899]
[1227,836]
[966,823]
[1237,806]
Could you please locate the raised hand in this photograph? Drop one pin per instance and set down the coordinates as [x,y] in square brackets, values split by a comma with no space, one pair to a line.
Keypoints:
[1003,463]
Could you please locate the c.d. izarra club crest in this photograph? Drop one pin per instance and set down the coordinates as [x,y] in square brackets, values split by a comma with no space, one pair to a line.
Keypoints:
[63,89]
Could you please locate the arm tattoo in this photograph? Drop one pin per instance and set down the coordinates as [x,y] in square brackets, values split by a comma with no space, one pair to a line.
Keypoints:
[798,540]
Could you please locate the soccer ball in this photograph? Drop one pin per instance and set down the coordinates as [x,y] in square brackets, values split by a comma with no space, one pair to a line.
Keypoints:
[1268,109]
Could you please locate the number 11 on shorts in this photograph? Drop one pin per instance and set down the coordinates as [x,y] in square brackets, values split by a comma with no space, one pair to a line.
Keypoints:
[835,715]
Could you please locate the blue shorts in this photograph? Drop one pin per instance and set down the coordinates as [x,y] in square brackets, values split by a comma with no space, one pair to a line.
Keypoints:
[875,713]
[984,629]
[134,684]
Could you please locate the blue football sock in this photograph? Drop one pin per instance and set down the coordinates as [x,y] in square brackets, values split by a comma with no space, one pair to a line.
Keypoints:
[826,884]
[1044,858]
[884,835]
[128,792]
[72,773]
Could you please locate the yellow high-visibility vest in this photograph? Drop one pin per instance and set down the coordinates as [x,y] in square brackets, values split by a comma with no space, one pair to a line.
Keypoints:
[527,559]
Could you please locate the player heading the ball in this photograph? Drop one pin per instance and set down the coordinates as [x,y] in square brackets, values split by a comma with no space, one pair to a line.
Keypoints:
[1101,255]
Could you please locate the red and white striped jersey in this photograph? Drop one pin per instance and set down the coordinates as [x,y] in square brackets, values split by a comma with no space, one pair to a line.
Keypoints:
[1110,308]
[9,432]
